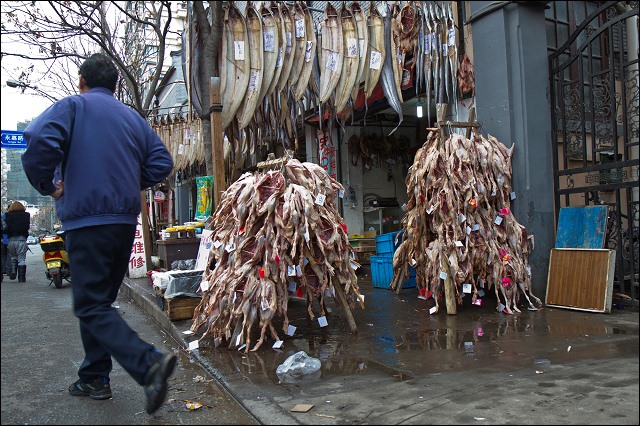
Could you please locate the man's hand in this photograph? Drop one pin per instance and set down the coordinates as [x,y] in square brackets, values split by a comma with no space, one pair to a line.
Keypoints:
[59,190]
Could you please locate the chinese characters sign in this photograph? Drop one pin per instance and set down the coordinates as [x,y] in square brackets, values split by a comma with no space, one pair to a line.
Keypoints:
[13,139]
[138,259]
[327,155]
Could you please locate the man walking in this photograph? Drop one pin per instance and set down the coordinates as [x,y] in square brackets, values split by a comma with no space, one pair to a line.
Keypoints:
[94,155]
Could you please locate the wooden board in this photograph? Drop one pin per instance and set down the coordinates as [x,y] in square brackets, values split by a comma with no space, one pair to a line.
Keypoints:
[181,308]
[582,227]
[581,279]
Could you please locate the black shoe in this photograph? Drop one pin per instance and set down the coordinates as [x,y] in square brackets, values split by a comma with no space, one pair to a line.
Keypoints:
[156,379]
[97,389]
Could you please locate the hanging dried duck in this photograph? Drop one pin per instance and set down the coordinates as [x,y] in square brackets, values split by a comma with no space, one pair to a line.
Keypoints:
[376,53]
[332,53]
[255,51]
[234,67]
[351,59]
[309,54]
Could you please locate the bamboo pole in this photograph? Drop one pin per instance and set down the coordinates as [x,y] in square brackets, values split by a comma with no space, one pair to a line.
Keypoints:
[217,148]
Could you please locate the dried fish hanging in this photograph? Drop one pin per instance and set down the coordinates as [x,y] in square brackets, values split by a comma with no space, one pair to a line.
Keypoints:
[460,231]
[270,230]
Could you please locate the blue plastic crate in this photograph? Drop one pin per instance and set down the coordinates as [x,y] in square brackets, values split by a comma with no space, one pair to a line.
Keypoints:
[385,243]
[382,272]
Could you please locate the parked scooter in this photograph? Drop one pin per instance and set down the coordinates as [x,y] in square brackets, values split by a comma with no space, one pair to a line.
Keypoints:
[55,258]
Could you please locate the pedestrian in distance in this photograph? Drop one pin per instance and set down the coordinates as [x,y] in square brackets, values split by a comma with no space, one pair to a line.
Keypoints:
[4,254]
[94,156]
[17,221]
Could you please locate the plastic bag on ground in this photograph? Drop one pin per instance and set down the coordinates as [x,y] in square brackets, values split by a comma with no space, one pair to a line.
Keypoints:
[299,366]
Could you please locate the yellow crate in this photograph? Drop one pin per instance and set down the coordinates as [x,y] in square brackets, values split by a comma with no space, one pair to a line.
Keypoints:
[181,308]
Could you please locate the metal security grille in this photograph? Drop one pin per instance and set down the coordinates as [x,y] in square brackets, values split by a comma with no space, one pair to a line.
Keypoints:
[594,94]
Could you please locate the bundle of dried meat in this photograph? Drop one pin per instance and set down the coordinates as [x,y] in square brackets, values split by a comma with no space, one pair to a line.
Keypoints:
[459,224]
[270,230]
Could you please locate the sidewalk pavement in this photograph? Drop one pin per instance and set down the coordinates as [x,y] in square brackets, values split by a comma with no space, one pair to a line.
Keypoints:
[404,366]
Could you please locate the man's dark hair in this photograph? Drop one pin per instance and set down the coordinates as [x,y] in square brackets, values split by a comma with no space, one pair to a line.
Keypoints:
[99,70]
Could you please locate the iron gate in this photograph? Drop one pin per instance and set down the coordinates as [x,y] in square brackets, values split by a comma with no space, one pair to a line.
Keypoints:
[595,119]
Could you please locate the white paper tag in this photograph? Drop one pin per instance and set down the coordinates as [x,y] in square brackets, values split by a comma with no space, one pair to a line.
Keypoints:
[462,218]
[375,60]
[217,244]
[244,345]
[466,288]
[404,207]
[422,297]
[501,307]
[305,261]
[443,275]
[475,227]
[217,341]
[341,193]
[269,41]
[277,344]
[327,292]
[187,332]
[352,48]
[253,81]
[512,195]
[291,330]
[308,51]
[481,283]
[498,220]
[480,293]
[322,321]
[291,271]
[300,28]
[332,61]
[353,266]
[468,229]
[430,210]
[361,48]
[444,49]
[306,236]
[433,310]
[231,246]
[451,38]
[280,60]
[193,345]
[320,199]
[287,36]
[292,285]
[459,244]
[264,305]
[180,149]
[238,50]
[434,42]
[204,285]
[362,298]
[298,271]
[413,262]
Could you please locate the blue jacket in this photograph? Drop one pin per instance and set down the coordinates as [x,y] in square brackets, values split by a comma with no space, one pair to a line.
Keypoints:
[103,151]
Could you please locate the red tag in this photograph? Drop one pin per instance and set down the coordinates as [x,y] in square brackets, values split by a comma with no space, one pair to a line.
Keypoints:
[473,202]
[241,230]
[504,211]
[429,295]
[298,291]
[344,227]
[278,260]
[261,272]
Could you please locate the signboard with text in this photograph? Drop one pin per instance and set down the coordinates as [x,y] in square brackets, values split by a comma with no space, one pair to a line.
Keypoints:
[13,139]
[138,259]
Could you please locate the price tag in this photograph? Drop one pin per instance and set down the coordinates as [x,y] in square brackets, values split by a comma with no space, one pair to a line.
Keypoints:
[238,50]
[292,286]
[433,310]
[361,297]
[466,288]
[180,149]
[280,60]
[512,195]
[193,345]
[332,61]
[322,321]
[413,262]
[498,220]
[277,344]
[451,38]
[480,293]
[353,265]
[204,285]
[244,345]
[253,81]
[404,207]
[320,199]
[291,271]
[462,218]
[468,229]
[375,60]
[289,40]
[475,227]
[187,332]
[443,275]
[269,41]
[308,51]
[291,330]
[341,193]
[352,48]
[230,247]
[300,28]
[362,48]
[459,244]
[430,209]
[298,271]
[427,43]
[501,307]
[306,236]
[481,283]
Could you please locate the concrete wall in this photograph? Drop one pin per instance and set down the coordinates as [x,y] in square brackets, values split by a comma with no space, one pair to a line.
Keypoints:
[511,77]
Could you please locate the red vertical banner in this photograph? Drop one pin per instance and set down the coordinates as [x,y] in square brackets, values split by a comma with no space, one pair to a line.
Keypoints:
[327,154]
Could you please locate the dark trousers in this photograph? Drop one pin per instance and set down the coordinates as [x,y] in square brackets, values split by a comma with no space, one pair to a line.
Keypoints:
[99,259]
